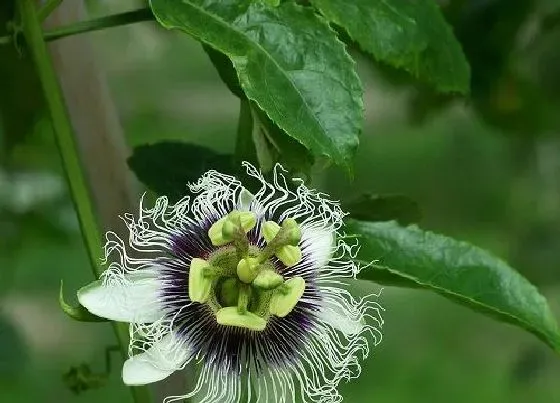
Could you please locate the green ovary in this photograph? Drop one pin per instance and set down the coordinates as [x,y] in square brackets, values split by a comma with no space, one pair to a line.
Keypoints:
[238,281]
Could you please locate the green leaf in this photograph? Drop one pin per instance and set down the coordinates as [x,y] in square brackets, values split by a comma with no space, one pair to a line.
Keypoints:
[368,207]
[457,270]
[282,148]
[412,35]
[77,312]
[288,61]
[166,167]
[225,69]
[262,143]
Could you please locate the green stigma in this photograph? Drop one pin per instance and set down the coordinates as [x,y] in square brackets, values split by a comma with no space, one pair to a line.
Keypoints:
[238,281]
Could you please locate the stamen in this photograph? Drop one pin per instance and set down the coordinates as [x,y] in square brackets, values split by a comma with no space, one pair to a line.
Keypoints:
[268,280]
[253,270]
[286,297]
[248,269]
[227,228]
[282,241]
[289,255]
[230,316]
[215,233]
[200,285]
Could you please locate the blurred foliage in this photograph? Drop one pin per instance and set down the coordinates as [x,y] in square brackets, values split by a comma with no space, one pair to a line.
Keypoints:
[20,95]
[368,207]
[509,46]
[80,379]
[13,359]
[166,167]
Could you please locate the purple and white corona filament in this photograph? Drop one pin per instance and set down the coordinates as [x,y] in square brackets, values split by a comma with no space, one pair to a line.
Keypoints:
[251,287]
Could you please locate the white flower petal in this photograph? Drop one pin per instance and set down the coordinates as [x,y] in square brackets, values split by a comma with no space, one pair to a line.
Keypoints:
[340,319]
[134,299]
[158,362]
[320,242]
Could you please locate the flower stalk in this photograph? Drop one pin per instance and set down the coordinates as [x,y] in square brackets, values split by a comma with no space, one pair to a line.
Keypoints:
[75,176]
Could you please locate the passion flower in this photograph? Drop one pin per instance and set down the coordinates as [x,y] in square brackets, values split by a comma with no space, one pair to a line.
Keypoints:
[251,287]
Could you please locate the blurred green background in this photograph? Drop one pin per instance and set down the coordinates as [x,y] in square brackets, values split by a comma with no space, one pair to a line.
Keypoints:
[485,170]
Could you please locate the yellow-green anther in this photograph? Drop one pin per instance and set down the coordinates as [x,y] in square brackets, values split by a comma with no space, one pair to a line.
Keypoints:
[229,229]
[287,296]
[292,231]
[247,269]
[269,230]
[268,280]
[247,219]
[230,316]
[225,229]
[200,285]
[215,233]
[289,255]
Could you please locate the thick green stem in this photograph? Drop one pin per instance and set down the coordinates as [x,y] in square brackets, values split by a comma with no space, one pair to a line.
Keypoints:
[70,160]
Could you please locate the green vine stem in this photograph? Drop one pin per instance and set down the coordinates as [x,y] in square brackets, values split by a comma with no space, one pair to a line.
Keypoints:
[67,148]
[96,24]
[47,9]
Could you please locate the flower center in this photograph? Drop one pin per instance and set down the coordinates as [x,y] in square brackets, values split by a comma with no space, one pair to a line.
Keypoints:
[238,281]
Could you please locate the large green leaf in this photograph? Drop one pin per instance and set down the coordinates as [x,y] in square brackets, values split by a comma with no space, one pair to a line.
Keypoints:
[462,272]
[288,61]
[225,70]
[412,35]
[259,140]
[282,148]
